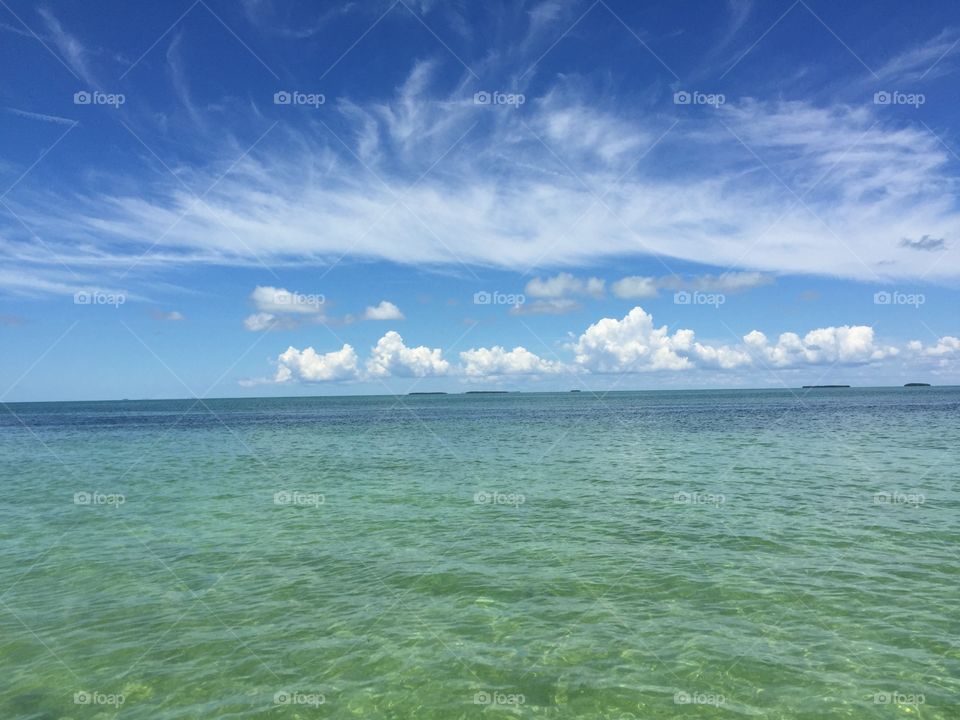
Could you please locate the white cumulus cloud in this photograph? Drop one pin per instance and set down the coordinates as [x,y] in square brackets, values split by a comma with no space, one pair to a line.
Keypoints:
[384,311]
[310,366]
[280,300]
[847,344]
[635,287]
[635,344]
[632,344]
[482,362]
[282,309]
[391,357]
[945,347]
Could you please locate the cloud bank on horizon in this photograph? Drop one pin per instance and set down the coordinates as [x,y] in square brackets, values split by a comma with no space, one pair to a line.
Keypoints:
[632,344]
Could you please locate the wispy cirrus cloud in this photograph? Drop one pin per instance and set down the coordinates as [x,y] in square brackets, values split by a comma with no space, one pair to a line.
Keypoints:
[72,51]
[926,60]
[637,287]
[763,187]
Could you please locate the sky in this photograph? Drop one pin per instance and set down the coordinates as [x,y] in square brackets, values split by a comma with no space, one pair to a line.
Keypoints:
[266,198]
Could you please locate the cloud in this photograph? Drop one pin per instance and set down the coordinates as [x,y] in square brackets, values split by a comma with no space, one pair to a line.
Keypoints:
[281,300]
[42,117]
[72,50]
[928,59]
[635,287]
[384,311]
[925,243]
[564,285]
[309,366]
[639,287]
[391,357]
[848,345]
[946,346]
[701,194]
[555,306]
[178,80]
[261,321]
[729,282]
[282,309]
[634,344]
[172,316]
[485,362]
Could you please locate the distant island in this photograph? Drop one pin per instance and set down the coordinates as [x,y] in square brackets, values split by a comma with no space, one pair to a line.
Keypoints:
[575,391]
[816,387]
[917,385]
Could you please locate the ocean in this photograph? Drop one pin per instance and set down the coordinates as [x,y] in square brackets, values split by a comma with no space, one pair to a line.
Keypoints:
[763,554]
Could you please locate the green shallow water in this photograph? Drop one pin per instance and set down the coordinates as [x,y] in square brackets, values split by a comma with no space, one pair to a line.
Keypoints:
[534,555]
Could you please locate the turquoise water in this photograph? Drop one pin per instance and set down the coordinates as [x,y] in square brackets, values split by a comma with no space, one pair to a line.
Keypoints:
[765,554]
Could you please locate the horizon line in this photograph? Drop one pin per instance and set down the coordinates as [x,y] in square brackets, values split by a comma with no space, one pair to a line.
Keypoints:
[586,391]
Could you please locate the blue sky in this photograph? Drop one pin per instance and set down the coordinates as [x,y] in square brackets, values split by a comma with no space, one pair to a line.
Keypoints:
[267,198]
